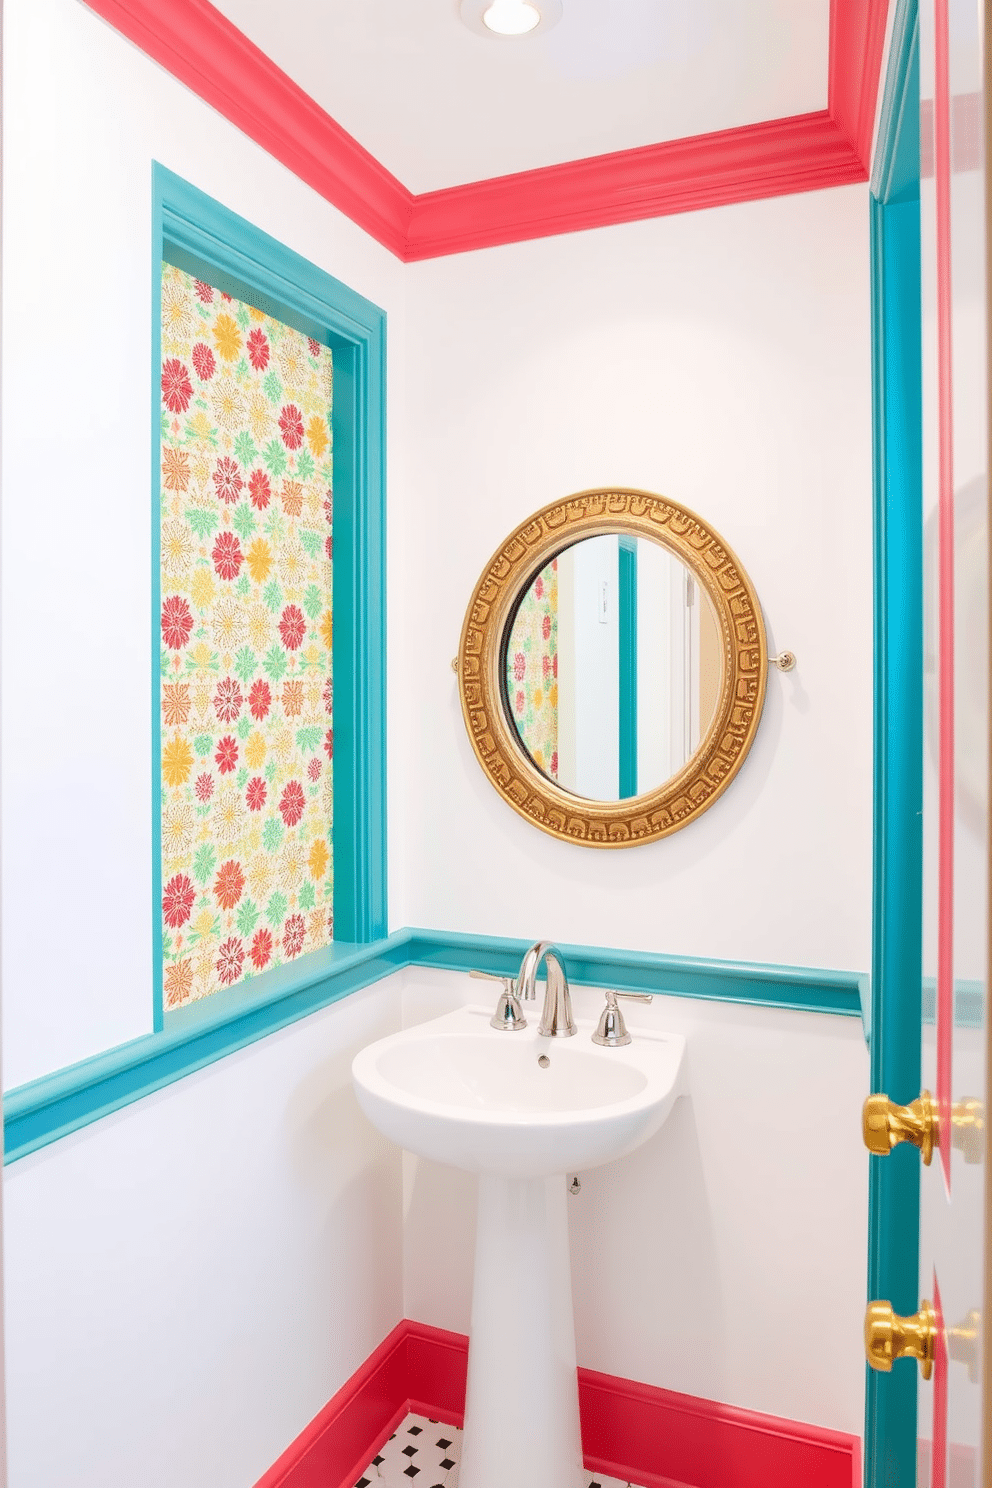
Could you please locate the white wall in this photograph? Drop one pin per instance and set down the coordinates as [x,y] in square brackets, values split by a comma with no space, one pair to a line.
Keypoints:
[721,358]
[190,1280]
[693,1257]
[86,113]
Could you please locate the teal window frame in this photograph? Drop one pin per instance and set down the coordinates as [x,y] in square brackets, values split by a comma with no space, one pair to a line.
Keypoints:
[197,233]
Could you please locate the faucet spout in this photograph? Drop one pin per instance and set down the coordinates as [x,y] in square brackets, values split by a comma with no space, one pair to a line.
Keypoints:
[556,1019]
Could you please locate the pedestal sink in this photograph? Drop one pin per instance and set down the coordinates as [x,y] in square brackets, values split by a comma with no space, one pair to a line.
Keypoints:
[521,1111]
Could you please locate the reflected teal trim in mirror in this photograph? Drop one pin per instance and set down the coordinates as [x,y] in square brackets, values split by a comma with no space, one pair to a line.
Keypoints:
[627,607]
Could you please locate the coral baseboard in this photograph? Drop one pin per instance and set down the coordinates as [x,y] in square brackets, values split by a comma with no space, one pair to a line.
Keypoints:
[635,1432]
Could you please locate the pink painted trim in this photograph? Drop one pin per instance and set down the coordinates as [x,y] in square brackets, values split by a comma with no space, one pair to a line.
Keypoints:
[658,1438]
[945,583]
[806,153]
[857,42]
[200,47]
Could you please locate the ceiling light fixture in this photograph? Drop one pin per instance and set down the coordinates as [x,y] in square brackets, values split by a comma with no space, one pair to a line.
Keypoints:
[511,17]
[502,19]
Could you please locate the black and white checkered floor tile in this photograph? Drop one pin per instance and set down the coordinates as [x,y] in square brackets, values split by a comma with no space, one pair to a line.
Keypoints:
[426,1453]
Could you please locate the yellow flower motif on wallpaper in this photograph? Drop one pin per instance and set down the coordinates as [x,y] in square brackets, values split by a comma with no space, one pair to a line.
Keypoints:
[255,314]
[202,657]
[317,435]
[228,404]
[203,922]
[201,429]
[227,338]
[318,860]
[177,549]
[177,761]
[260,876]
[203,588]
[553,696]
[259,627]
[538,697]
[291,864]
[177,315]
[260,417]
[178,826]
[283,745]
[292,563]
[228,813]
[327,629]
[259,560]
[254,751]
[228,624]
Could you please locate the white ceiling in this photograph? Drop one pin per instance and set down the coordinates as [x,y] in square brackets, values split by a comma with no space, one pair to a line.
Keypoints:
[439,105]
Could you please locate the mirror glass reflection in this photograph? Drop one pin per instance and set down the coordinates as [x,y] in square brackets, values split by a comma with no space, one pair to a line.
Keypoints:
[613,667]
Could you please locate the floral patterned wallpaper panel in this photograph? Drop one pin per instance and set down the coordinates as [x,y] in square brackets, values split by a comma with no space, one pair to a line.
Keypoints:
[247,739]
[532,670]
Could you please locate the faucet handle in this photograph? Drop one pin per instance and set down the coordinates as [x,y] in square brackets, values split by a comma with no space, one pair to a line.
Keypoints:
[612,1031]
[508,1016]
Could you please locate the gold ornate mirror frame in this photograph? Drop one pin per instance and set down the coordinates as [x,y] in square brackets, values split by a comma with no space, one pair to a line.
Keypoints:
[721,752]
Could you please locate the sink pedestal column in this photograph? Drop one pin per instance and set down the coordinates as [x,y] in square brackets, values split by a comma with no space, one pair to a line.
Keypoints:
[522,1408]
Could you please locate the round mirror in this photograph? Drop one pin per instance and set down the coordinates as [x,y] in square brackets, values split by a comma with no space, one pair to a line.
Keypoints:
[612,668]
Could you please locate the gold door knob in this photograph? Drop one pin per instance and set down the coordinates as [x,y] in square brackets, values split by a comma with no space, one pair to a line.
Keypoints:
[888,1337]
[885,1125]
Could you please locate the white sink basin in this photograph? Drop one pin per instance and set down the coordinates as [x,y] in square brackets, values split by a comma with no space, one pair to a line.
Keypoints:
[476,1097]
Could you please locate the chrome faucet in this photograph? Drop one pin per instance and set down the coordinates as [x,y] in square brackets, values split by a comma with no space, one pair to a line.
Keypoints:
[556,1019]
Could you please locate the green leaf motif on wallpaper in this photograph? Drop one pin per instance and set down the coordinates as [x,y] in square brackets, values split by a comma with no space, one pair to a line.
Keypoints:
[243,522]
[275,662]
[201,520]
[204,862]
[272,834]
[203,744]
[247,918]
[313,601]
[274,455]
[275,910]
[272,596]
[244,726]
[308,739]
[275,526]
[307,896]
[245,663]
[272,388]
[245,448]
[312,541]
[305,467]
[242,775]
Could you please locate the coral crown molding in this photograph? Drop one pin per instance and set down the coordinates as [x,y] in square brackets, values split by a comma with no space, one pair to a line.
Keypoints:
[206,52]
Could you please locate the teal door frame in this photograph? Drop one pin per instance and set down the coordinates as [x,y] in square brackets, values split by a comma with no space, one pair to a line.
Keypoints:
[894,1037]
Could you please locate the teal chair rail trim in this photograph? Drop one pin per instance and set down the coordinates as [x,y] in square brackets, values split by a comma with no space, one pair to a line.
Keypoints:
[41,1112]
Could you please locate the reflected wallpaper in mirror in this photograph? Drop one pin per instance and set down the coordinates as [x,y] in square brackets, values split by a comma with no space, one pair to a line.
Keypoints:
[612,667]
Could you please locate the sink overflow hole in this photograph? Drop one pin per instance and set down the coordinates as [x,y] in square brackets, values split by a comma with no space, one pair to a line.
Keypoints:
[575,1186]
[543,1061]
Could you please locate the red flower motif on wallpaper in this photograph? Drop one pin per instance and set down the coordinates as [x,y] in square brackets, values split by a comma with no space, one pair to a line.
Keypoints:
[329,744]
[546,628]
[204,787]
[292,627]
[314,768]
[229,884]
[554,663]
[554,763]
[260,699]
[519,666]
[178,898]
[204,361]
[256,793]
[258,350]
[329,695]
[291,424]
[227,754]
[259,490]
[293,935]
[227,556]
[545,665]
[227,480]
[227,700]
[176,386]
[518,702]
[292,803]
[261,949]
[204,291]
[538,587]
[329,507]
[231,960]
[177,622]
[314,346]
[329,548]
